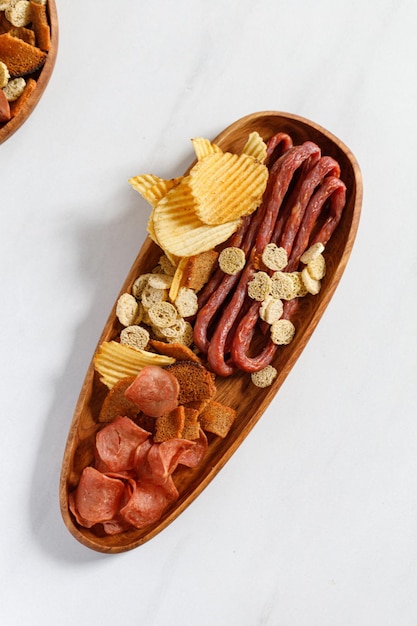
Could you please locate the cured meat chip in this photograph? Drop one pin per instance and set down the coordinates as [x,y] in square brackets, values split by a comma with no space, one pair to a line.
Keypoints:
[116,443]
[146,504]
[97,498]
[155,391]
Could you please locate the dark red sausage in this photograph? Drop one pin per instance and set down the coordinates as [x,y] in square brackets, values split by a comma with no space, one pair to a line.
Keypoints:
[281,176]
[333,188]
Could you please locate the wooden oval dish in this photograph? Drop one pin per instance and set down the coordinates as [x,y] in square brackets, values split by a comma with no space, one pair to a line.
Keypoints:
[42,79]
[249,401]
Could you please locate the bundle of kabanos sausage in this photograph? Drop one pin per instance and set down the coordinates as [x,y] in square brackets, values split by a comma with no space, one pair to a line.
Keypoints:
[244,250]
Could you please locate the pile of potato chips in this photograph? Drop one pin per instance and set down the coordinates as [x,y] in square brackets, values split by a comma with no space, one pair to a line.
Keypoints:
[194,213]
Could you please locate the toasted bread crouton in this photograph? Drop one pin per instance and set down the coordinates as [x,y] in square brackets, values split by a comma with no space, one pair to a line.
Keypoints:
[116,403]
[41,25]
[170,425]
[217,418]
[20,57]
[178,351]
[198,269]
[198,405]
[191,428]
[17,105]
[26,34]
[196,383]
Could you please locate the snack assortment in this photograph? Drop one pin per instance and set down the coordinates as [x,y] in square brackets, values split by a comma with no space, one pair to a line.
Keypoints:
[242,241]
[25,40]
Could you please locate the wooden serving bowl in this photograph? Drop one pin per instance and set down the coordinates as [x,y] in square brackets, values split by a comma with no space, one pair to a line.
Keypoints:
[249,401]
[42,78]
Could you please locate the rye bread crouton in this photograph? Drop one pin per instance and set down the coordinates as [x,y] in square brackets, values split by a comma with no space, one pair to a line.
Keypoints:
[217,418]
[198,269]
[196,383]
[170,425]
[20,57]
[116,403]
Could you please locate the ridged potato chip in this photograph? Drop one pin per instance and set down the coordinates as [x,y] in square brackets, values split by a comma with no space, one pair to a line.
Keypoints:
[179,231]
[255,147]
[152,188]
[226,186]
[203,147]
[114,361]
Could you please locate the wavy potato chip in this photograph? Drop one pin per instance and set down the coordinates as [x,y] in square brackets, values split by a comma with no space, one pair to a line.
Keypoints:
[114,361]
[152,188]
[179,231]
[203,147]
[255,147]
[226,186]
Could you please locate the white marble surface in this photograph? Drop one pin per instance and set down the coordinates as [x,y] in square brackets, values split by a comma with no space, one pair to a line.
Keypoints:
[313,521]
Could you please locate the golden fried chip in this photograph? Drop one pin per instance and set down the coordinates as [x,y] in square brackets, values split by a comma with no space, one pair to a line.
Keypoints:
[179,231]
[255,147]
[152,188]
[178,278]
[203,147]
[226,187]
[114,361]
